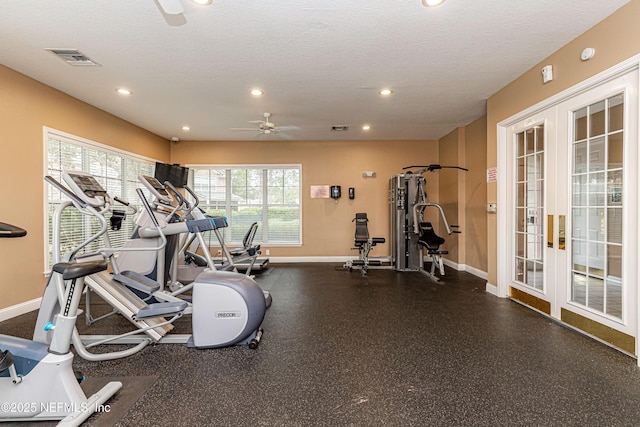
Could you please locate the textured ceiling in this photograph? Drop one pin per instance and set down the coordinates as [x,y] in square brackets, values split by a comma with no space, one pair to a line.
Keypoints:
[319,63]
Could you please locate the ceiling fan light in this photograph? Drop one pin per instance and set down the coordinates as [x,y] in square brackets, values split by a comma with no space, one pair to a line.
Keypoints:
[432,3]
[203,2]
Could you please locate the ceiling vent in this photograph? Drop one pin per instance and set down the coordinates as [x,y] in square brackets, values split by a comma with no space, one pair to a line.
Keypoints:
[339,128]
[73,57]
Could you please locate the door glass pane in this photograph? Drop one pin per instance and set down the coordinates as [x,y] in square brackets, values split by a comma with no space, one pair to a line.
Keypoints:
[579,255]
[595,293]
[595,223]
[614,262]
[596,189]
[614,188]
[520,145]
[596,154]
[529,228]
[580,124]
[614,225]
[579,223]
[580,157]
[579,288]
[596,119]
[530,141]
[597,227]
[616,110]
[539,130]
[520,271]
[580,190]
[520,170]
[615,150]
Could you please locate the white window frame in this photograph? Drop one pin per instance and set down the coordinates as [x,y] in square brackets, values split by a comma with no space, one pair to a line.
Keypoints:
[298,166]
[50,133]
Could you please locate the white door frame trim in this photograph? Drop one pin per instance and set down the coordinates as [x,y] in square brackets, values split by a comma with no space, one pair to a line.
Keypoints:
[504,163]
[503,256]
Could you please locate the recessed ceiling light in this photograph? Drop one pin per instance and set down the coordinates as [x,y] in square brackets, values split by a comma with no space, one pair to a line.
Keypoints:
[123,91]
[385,92]
[257,92]
[431,3]
[203,2]
[366,127]
[186,128]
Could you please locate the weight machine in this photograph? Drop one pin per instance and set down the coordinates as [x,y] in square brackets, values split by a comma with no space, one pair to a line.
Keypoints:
[364,244]
[411,233]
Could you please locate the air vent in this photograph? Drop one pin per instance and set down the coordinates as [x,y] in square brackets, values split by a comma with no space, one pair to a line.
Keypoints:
[73,57]
[339,128]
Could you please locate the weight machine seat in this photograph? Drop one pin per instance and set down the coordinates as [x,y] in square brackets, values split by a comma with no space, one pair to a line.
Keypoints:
[362,230]
[430,240]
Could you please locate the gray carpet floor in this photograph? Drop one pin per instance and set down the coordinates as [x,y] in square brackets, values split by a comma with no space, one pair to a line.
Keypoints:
[390,349]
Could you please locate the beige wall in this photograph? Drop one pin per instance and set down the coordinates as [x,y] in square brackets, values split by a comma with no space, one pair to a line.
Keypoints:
[450,197]
[475,224]
[327,229]
[463,195]
[26,106]
[615,39]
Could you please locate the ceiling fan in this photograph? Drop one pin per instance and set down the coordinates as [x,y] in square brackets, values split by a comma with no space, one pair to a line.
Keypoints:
[265,127]
[173,10]
[171,7]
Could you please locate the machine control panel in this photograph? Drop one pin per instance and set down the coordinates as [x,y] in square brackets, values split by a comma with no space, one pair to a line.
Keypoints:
[156,188]
[86,187]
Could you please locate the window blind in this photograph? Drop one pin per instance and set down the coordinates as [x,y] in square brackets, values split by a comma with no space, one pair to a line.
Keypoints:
[266,194]
[115,170]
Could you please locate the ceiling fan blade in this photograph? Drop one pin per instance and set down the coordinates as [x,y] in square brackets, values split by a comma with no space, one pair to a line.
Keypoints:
[285,128]
[245,129]
[171,7]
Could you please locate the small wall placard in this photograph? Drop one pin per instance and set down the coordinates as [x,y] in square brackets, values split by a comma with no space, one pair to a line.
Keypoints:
[320,191]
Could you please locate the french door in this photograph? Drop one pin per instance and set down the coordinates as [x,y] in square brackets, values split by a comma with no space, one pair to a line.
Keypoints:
[573,218]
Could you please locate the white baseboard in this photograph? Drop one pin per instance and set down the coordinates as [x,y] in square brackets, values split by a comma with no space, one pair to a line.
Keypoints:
[492,289]
[463,267]
[476,272]
[19,309]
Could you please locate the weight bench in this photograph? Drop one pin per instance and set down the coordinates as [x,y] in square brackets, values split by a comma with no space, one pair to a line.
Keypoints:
[363,243]
[431,242]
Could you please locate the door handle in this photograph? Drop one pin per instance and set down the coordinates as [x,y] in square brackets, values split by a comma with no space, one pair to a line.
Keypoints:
[550,231]
[561,232]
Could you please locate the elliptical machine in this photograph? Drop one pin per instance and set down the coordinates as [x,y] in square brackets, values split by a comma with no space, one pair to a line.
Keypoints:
[227,308]
[37,381]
